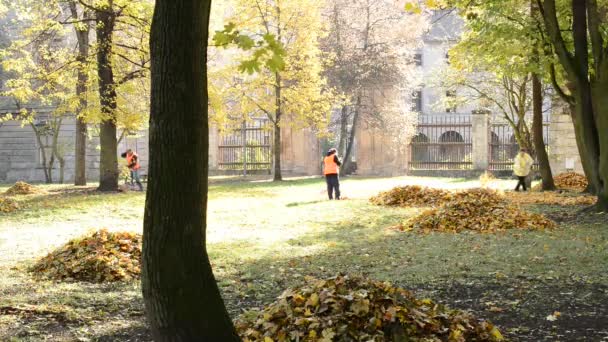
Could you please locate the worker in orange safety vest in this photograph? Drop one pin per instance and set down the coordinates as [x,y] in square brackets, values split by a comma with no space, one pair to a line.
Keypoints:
[133,165]
[331,170]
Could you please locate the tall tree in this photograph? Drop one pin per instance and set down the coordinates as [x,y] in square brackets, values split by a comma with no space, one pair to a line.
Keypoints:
[82,28]
[183,302]
[370,52]
[585,62]
[296,94]
[41,92]
[75,68]
[504,42]
[121,28]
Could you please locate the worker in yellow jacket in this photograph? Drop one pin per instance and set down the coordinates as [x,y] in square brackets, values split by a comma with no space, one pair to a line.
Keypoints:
[521,167]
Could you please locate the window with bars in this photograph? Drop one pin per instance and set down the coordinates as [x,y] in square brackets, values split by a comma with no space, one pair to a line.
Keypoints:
[450,99]
[418,59]
[417,101]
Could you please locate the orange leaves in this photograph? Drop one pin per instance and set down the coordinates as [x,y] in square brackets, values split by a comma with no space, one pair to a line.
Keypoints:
[569,181]
[411,196]
[100,257]
[358,309]
[477,210]
[550,198]
[8,205]
[22,188]
[481,210]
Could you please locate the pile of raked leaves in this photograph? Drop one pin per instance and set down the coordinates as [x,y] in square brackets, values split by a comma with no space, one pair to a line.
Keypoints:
[101,256]
[8,205]
[571,181]
[346,308]
[485,214]
[568,181]
[412,196]
[481,210]
[22,188]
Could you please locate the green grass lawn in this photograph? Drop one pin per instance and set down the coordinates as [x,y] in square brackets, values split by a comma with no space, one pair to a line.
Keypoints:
[264,237]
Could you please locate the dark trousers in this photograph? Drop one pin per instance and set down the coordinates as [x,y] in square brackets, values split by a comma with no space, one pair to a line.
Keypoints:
[135,177]
[333,184]
[521,182]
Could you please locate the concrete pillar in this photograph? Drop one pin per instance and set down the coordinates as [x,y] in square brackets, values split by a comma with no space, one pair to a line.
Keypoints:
[480,130]
[214,141]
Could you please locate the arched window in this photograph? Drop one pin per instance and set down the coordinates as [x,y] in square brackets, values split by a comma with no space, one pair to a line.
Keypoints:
[452,147]
[420,148]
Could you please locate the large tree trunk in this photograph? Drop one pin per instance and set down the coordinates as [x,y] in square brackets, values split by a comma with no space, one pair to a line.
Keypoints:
[600,103]
[346,162]
[582,150]
[343,130]
[80,153]
[47,175]
[108,161]
[537,134]
[277,130]
[586,107]
[182,300]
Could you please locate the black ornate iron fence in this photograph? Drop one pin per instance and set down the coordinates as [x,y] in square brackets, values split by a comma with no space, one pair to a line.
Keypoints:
[247,147]
[442,143]
[504,146]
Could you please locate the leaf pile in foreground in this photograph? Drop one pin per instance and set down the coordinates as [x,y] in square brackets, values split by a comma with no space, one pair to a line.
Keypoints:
[8,205]
[485,215]
[417,196]
[550,198]
[358,309]
[22,188]
[102,256]
[569,181]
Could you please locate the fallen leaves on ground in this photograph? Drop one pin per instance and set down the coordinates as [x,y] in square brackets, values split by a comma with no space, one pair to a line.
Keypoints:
[487,214]
[22,188]
[411,196]
[417,196]
[550,198]
[8,205]
[102,256]
[346,308]
[569,181]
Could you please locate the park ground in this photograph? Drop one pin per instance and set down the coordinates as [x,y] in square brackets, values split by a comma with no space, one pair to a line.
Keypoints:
[264,237]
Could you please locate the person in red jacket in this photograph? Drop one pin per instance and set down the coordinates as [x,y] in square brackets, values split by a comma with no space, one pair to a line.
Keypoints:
[133,165]
[331,169]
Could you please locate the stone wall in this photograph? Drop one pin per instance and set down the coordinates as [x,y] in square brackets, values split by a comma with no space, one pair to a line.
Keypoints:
[378,155]
[301,153]
[563,151]
[20,155]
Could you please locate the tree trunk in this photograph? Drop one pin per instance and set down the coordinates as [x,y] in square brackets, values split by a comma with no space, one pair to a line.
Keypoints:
[182,300]
[346,162]
[537,134]
[80,153]
[277,130]
[343,130]
[55,148]
[108,161]
[600,104]
[47,177]
[582,150]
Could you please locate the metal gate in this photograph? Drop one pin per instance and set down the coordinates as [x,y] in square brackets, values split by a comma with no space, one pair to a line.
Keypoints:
[504,146]
[442,143]
[247,147]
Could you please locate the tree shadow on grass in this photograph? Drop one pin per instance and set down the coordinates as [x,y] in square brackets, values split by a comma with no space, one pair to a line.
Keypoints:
[297,204]
[470,271]
[134,333]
